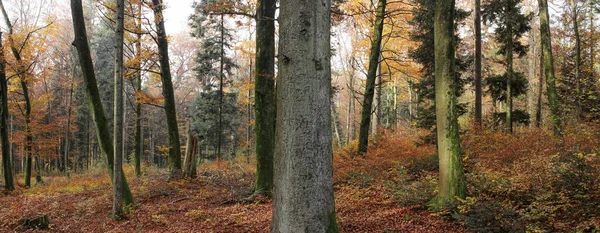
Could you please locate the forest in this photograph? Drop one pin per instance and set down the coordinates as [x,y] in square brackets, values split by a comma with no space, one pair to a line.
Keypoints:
[299,116]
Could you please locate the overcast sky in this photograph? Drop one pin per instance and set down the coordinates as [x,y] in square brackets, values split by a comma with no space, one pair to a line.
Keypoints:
[176,15]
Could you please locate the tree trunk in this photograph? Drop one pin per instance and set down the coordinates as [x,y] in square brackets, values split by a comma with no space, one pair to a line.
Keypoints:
[451,181]
[137,135]
[573,4]
[363,136]
[189,161]
[509,70]
[478,89]
[549,68]
[9,183]
[68,133]
[167,88]
[303,192]
[117,211]
[27,112]
[264,95]
[538,109]
[85,60]
[221,77]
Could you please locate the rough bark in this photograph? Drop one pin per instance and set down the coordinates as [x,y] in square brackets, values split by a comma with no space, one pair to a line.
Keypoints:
[117,210]
[303,192]
[451,181]
[189,161]
[549,69]
[9,183]
[264,95]
[478,89]
[365,122]
[94,101]
[167,91]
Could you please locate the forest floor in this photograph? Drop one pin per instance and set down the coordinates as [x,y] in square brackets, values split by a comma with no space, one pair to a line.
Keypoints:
[212,202]
[522,182]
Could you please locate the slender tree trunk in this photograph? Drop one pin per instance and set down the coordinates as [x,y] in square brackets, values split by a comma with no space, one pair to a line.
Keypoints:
[577,57]
[451,181]
[117,211]
[221,77]
[363,136]
[538,111]
[509,70]
[9,183]
[68,133]
[549,69]
[138,139]
[478,89]
[85,60]
[350,117]
[264,95]
[167,88]
[303,191]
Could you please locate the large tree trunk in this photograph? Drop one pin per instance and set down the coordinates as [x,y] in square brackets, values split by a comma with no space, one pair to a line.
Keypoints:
[303,192]
[27,113]
[363,135]
[452,180]
[264,95]
[167,89]
[478,89]
[117,211]
[85,60]
[549,68]
[9,183]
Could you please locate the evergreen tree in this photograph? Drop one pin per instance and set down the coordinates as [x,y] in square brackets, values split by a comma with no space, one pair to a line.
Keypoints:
[424,55]
[510,25]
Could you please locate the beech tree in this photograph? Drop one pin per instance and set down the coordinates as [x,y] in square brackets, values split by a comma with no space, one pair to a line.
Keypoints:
[549,68]
[365,122]
[303,177]
[9,183]
[167,90]
[94,101]
[452,181]
[117,210]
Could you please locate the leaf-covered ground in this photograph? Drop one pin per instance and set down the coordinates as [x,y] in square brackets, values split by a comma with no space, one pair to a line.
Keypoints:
[213,202]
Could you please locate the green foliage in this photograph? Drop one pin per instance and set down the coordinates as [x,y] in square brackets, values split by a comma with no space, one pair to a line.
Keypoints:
[424,54]
[518,116]
[497,85]
[510,24]
[205,118]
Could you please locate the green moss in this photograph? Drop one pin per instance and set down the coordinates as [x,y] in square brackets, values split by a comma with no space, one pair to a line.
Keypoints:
[333,226]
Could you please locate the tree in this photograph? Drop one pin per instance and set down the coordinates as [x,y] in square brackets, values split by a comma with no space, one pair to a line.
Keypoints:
[22,72]
[511,24]
[423,21]
[303,183]
[574,12]
[478,89]
[94,101]
[264,95]
[9,183]
[117,211]
[452,180]
[549,68]
[167,90]
[365,121]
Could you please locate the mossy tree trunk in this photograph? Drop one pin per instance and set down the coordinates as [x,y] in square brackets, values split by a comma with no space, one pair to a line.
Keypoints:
[9,182]
[365,121]
[264,97]
[549,69]
[167,91]
[94,101]
[303,189]
[451,181]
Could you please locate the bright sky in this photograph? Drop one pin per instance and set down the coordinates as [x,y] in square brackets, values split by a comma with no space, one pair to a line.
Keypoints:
[176,15]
